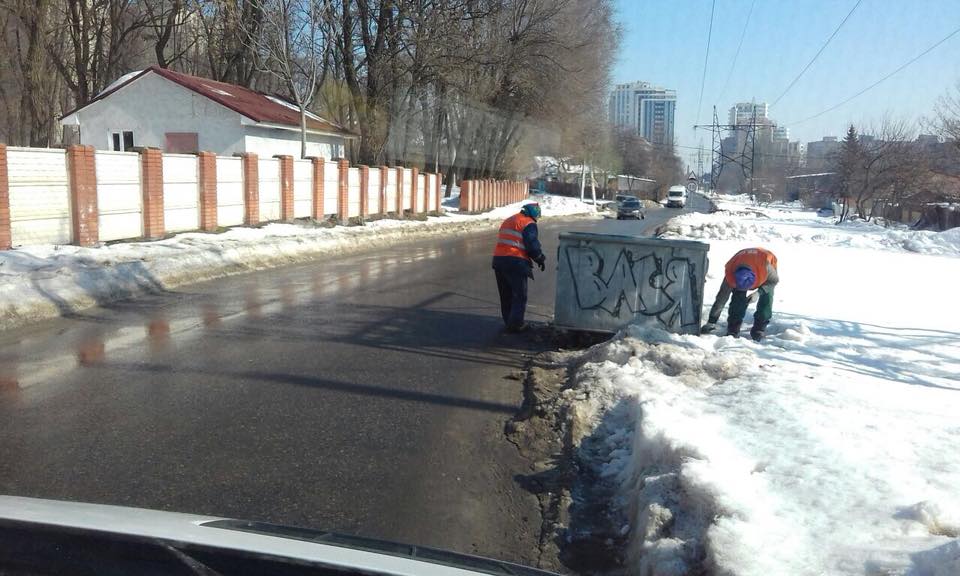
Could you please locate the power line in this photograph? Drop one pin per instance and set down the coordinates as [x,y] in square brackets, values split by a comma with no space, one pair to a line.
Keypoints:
[706,58]
[817,55]
[743,35]
[878,82]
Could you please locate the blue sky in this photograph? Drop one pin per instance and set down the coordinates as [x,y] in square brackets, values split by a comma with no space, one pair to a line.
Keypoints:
[664,42]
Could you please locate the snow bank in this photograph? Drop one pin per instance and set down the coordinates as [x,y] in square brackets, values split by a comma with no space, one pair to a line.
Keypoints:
[830,448]
[42,281]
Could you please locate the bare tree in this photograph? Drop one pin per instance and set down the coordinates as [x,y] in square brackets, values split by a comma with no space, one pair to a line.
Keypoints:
[292,43]
[947,115]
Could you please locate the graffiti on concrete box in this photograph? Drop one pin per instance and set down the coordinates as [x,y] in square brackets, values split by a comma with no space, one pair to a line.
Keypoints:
[627,281]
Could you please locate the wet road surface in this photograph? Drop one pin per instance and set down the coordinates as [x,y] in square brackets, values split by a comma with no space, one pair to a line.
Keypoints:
[363,394]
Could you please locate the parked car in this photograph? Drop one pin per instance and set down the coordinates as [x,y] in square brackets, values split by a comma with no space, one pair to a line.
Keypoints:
[677,197]
[630,207]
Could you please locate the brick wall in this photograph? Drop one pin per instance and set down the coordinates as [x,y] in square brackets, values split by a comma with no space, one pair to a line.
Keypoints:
[317,210]
[207,172]
[82,175]
[151,185]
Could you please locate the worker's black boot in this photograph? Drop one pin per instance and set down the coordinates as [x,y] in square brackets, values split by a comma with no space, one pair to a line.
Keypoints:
[758,331]
[733,329]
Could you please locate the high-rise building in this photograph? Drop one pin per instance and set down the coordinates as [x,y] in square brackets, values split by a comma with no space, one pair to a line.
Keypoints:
[646,109]
[742,113]
[781,134]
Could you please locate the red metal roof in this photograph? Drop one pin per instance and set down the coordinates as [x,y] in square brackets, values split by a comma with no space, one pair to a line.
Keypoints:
[255,105]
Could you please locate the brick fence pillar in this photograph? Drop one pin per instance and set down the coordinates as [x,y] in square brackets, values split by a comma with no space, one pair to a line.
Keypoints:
[364,193]
[343,189]
[6,238]
[151,170]
[207,162]
[286,186]
[384,174]
[465,194]
[82,175]
[251,188]
[414,176]
[399,190]
[317,195]
[436,190]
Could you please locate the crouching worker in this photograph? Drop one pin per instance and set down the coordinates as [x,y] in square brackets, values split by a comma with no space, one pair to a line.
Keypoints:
[517,248]
[749,269]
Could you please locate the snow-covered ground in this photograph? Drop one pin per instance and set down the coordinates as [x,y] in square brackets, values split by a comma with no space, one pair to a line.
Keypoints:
[42,281]
[832,447]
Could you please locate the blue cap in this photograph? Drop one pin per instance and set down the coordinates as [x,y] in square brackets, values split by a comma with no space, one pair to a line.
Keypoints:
[745,278]
[532,210]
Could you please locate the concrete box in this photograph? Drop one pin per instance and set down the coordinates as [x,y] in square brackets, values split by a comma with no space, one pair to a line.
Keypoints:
[607,281]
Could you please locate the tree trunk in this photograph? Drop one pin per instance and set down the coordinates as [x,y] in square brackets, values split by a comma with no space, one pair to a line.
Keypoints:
[303,131]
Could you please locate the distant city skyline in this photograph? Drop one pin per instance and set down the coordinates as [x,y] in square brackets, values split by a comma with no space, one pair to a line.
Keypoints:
[665,43]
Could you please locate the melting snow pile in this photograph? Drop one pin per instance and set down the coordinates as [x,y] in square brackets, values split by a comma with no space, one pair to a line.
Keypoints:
[43,281]
[833,447]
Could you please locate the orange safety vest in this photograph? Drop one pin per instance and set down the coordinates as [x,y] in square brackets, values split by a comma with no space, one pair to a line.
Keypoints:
[755,259]
[510,237]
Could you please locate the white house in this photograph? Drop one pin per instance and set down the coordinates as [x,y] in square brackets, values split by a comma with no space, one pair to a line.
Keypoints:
[177,112]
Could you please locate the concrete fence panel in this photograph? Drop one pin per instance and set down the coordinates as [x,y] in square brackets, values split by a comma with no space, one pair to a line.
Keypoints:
[302,188]
[606,281]
[229,191]
[406,190]
[119,198]
[331,190]
[39,196]
[373,191]
[181,192]
[391,190]
[268,171]
[421,193]
[353,192]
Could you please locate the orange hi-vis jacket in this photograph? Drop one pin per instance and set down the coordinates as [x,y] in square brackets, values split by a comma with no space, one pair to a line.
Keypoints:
[757,259]
[510,237]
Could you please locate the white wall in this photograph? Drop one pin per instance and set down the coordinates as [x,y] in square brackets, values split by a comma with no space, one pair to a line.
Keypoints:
[152,106]
[269,142]
[229,191]
[421,193]
[431,193]
[268,172]
[373,191]
[39,196]
[302,188]
[181,192]
[391,190]
[353,192]
[119,197]
[331,192]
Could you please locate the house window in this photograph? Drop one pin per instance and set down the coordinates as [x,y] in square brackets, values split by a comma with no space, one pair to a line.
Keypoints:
[121,140]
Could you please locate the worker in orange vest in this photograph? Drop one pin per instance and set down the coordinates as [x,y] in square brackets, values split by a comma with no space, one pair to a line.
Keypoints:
[518,247]
[749,269]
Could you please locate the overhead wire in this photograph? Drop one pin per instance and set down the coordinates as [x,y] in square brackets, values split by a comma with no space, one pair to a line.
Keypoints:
[706,58]
[878,82]
[817,55]
[743,34]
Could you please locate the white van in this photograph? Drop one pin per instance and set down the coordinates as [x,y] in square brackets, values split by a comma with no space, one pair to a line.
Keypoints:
[677,197]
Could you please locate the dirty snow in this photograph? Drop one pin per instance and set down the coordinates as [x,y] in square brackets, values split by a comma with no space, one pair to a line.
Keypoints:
[42,281]
[830,448]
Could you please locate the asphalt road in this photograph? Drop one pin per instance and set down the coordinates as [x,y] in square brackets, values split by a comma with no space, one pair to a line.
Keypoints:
[363,394]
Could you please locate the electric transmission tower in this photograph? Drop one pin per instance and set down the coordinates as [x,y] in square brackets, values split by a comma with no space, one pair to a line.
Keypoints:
[744,157]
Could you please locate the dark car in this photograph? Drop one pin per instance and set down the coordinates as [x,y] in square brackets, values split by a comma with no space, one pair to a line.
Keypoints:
[630,207]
